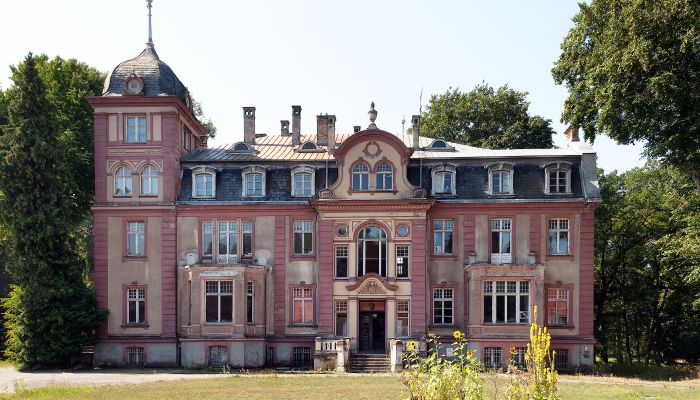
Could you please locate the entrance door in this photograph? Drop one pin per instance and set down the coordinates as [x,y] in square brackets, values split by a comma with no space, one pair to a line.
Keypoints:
[372,331]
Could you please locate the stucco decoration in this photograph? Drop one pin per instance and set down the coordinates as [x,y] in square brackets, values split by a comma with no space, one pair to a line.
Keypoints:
[372,283]
[371,287]
[372,150]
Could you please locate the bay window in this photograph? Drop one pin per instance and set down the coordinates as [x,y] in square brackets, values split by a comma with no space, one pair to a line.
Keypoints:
[219,301]
[506,302]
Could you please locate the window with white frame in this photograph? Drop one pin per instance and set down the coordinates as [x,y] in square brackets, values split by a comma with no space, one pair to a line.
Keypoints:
[207,239]
[341,318]
[443,306]
[402,318]
[149,181]
[303,181]
[501,241]
[518,358]
[123,181]
[402,259]
[234,240]
[254,184]
[228,242]
[247,238]
[443,236]
[135,239]
[443,180]
[558,306]
[558,179]
[218,357]
[250,302]
[341,261]
[219,301]
[493,357]
[384,174]
[501,182]
[303,305]
[506,302]
[135,357]
[360,177]
[135,129]
[203,182]
[135,306]
[558,236]
[186,139]
[371,251]
[303,238]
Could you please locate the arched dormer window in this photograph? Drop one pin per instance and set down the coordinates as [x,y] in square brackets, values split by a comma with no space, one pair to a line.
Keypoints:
[303,181]
[254,181]
[443,180]
[371,251]
[242,147]
[203,182]
[385,176]
[360,177]
[123,182]
[557,178]
[149,181]
[500,178]
[439,145]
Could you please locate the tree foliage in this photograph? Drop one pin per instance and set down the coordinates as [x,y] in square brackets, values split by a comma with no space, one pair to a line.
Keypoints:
[206,121]
[486,117]
[632,68]
[51,312]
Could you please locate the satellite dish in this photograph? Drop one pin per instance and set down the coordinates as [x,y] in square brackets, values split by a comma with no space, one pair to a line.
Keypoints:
[191,258]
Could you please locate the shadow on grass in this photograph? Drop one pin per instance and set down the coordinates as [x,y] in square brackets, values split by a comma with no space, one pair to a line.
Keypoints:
[651,372]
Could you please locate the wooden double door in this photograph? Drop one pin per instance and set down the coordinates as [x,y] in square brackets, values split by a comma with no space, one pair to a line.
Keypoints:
[372,335]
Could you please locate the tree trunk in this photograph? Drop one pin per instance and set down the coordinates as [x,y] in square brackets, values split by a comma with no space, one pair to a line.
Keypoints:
[696,178]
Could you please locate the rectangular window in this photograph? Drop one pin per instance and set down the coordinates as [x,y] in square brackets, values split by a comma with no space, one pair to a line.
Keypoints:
[341,318]
[558,236]
[443,182]
[519,358]
[217,357]
[402,318]
[136,306]
[303,305]
[558,306]
[303,185]
[250,302]
[558,181]
[301,357]
[500,182]
[341,261]
[500,241]
[506,302]
[135,239]
[402,261]
[303,238]
[207,239]
[442,236]
[204,185]
[253,184]
[443,306]
[219,301]
[136,129]
[493,357]
[135,357]
[186,139]
[247,238]
[228,242]
[561,359]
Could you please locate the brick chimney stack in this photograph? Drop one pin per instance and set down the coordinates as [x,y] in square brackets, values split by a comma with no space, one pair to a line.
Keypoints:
[249,125]
[284,130]
[331,132]
[356,128]
[415,124]
[572,134]
[322,130]
[296,125]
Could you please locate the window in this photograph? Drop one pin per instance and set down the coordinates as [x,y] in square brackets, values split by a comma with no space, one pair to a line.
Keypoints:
[402,318]
[135,239]
[250,302]
[561,359]
[219,301]
[303,238]
[301,357]
[341,318]
[493,357]
[308,146]
[247,239]
[228,242]
[135,357]
[385,177]
[439,145]
[186,139]
[558,306]
[442,236]
[303,184]
[519,358]
[136,306]
[218,357]
[500,241]
[443,306]
[254,184]
[341,261]
[360,177]
[558,236]
[207,238]
[501,182]
[234,240]
[136,129]
[303,305]
[443,182]
[506,302]
[402,261]
[242,147]
[558,181]
[203,185]
[123,182]
[371,251]
[149,181]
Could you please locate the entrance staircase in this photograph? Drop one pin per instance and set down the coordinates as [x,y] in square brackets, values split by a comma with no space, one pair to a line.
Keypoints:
[369,363]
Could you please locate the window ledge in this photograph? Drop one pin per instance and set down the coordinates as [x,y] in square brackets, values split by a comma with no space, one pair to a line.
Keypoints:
[444,326]
[134,258]
[302,256]
[444,256]
[560,257]
[143,325]
[203,197]
[500,324]
[122,196]
[149,195]
[341,279]
[444,195]
[559,194]
[569,327]
[229,323]
[501,194]
[300,325]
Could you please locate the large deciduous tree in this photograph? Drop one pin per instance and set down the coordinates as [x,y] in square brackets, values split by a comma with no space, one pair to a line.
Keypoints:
[486,117]
[632,68]
[51,312]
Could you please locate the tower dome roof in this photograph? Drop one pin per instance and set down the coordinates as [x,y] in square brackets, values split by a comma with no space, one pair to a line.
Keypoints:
[157,78]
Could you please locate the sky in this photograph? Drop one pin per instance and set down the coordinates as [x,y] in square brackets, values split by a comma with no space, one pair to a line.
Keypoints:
[330,57]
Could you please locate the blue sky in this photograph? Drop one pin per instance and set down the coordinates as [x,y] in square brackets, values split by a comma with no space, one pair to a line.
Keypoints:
[327,56]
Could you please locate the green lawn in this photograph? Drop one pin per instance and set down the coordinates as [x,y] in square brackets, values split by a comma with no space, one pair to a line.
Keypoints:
[339,387]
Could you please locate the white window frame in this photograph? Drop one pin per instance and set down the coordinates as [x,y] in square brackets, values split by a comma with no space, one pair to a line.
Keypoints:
[384,171]
[438,173]
[304,229]
[212,231]
[138,136]
[137,230]
[149,181]
[342,251]
[502,227]
[559,228]
[302,295]
[497,289]
[203,171]
[219,293]
[123,181]
[401,252]
[230,231]
[439,248]
[253,172]
[403,312]
[561,168]
[362,258]
[440,296]
[493,357]
[304,191]
[208,235]
[500,170]
[341,309]
[361,171]
[558,295]
[136,296]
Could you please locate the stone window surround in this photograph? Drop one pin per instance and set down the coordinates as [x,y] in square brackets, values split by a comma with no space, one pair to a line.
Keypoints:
[448,168]
[203,170]
[253,169]
[557,166]
[303,169]
[500,167]
[125,305]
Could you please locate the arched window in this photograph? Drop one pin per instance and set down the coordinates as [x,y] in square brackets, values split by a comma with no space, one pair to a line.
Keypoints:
[385,177]
[254,181]
[149,181]
[371,251]
[122,182]
[309,146]
[360,177]
[302,181]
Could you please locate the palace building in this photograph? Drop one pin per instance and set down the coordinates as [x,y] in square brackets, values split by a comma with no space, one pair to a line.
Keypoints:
[324,248]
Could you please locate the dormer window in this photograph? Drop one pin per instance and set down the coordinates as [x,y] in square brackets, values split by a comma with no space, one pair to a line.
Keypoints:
[360,177]
[203,182]
[558,178]
[303,181]
[500,179]
[254,182]
[136,129]
[385,177]
[242,147]
[440,145]
[133,85]
[444,180]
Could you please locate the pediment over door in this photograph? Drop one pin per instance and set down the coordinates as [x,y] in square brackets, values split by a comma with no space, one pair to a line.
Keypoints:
[371,284]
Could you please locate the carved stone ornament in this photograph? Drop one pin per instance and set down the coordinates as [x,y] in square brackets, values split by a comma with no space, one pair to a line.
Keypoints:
[372,287]
[372,150]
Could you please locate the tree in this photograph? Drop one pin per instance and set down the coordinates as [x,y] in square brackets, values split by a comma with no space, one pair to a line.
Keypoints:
[484,117]
[198,111]
[51,312]
[632,69]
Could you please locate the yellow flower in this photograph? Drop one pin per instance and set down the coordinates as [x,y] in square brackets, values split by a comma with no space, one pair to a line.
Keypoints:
[411,346]
[470,353]
[512,350]
[457,335]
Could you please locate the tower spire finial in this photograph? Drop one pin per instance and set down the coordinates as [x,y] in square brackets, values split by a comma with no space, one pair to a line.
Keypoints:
[149,4]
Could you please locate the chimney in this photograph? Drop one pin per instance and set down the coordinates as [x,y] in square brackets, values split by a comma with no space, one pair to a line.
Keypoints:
[572,134]
[415,123]
[296,125]
[322,130]
[331,132]
[249,125]
[356,128]
[284,127]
